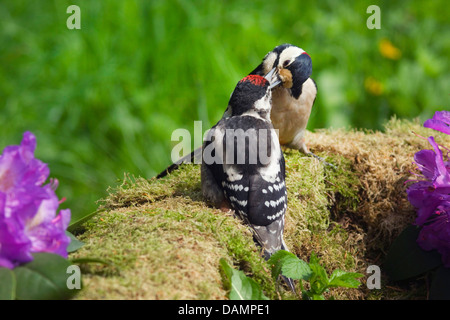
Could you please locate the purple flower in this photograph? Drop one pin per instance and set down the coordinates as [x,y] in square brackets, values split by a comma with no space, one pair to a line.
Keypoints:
[431,195]
[428,194]
[435,233]
[28,209]
[439,122]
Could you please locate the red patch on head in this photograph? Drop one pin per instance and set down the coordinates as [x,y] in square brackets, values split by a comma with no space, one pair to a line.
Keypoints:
[256,80]
[306,54]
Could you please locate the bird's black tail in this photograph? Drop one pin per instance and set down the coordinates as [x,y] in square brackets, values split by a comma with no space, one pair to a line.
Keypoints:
[190,158]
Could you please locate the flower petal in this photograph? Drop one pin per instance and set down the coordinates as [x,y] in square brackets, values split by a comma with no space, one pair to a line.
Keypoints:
[14,244]
[5,263]
[442,178]
[18,167]
[426,161]
[439,122]
[51,237]
[435,234]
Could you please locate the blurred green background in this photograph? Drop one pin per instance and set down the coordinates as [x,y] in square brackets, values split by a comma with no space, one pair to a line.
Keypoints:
[104,100]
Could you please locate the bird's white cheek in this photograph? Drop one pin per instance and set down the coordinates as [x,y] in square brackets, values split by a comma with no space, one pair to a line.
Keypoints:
[269,61]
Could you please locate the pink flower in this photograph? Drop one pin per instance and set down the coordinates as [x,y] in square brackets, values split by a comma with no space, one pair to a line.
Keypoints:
[431,195]
[28,209]
[439,122]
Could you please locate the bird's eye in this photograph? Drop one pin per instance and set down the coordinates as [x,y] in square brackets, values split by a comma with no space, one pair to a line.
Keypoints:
[286,63]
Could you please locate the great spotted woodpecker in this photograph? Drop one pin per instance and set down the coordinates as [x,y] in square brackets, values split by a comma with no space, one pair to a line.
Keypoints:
[291,102]
[243,165]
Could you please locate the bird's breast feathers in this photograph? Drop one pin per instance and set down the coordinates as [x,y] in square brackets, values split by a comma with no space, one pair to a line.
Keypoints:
[289,115]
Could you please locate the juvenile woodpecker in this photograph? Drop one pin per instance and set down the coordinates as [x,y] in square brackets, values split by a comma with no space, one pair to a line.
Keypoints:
[292,100]
[243,166]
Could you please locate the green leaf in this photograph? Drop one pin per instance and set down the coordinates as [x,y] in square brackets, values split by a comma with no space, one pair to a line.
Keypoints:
[228,272]
[406,259]
[345,279]
[317,297]
[440,286]
[289,265]
[318,271]
[242,287]
[245,288]
[74,244]
[319,278]
[275,262]
[44,278]
[296,268]
[8,284]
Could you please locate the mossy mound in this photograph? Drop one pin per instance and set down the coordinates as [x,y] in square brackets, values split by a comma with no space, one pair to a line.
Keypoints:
[164,242]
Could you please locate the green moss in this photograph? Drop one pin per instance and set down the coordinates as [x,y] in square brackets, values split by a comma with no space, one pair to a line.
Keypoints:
[168,241]
[164,242]
[146,222]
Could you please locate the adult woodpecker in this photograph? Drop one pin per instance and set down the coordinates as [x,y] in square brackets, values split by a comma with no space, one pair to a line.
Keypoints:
[243,165]
[292,99]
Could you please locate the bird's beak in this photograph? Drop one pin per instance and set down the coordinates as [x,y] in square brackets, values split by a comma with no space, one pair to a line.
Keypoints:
[273,78]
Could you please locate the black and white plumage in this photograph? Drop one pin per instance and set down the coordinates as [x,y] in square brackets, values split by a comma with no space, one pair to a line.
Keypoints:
[243,165]
[292,100]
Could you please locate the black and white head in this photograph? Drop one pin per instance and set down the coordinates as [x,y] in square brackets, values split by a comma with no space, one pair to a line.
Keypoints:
[252,95]
[293,67]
